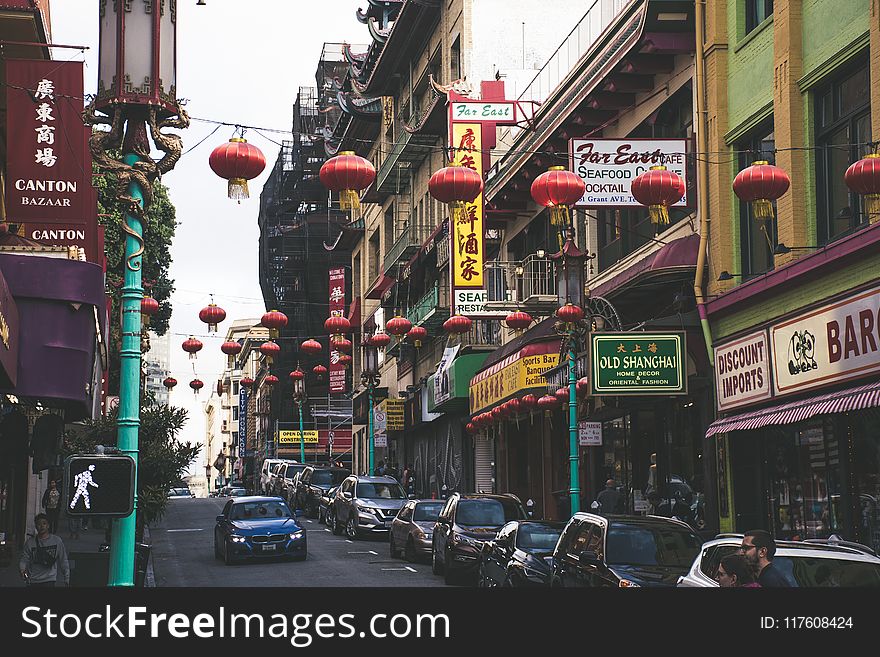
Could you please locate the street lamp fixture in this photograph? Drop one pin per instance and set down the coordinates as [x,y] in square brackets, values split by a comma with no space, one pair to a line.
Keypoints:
[370,378]
[727,276]
[208,474]
[136,98]
[782,249]
[299,396]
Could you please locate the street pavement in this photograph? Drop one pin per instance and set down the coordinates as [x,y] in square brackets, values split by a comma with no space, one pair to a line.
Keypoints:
[183,556]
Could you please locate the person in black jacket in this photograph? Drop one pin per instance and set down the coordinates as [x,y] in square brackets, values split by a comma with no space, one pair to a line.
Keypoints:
[609,499]
[758,547]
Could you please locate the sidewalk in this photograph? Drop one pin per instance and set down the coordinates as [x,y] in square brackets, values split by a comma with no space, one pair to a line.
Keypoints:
[89,541]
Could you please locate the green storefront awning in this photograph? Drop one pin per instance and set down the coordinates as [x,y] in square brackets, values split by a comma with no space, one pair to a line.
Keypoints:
[454,395]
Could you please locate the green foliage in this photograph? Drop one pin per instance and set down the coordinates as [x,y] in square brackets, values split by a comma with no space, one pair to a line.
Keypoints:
[162,459]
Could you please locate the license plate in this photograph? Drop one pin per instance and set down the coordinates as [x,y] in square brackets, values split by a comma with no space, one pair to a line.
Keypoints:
[268,548]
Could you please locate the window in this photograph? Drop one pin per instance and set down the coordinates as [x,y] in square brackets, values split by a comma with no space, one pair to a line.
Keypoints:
[756,12]
[843,130]
[455,59]
[579,544]
[235,413]
[757,237]
[235,388]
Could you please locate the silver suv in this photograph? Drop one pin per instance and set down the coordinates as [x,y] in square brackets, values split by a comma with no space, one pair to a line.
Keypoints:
[814,562]
[365,505]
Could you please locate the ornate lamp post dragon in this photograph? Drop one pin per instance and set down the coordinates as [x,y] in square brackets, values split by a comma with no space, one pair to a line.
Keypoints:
[137,98]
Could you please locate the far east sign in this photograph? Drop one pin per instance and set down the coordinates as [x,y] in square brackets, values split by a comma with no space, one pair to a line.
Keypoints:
[99,485]
[638,364]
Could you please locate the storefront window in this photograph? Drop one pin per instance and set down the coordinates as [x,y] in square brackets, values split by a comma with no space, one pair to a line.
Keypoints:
[863,439]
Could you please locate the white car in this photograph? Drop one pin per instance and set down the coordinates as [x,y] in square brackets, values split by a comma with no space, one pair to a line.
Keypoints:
[810,563]
[180,493]
[266,472]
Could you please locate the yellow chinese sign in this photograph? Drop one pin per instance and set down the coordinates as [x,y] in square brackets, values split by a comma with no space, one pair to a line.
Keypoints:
[467,223]
[522,373]
[287,437]
[393,409]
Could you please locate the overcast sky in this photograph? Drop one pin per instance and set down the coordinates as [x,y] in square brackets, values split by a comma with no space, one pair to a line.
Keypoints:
[240,62]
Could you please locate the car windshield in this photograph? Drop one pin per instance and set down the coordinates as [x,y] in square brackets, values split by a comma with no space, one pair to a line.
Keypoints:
[329,477]
[237,492]
[537,537]
[641,545]
[428,511]
[373,491]
[487,513]
[270,510]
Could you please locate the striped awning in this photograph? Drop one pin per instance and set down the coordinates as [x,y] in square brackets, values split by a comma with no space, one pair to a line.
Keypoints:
[851,399]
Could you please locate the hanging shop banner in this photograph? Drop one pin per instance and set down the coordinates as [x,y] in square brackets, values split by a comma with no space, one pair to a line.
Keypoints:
[47,174]
[742,371]
[288,437]
[833,343]
[393,411]
[478,111]
[467,224]
[242,421]
[516,373]
[608,167]
[473,304]
[337,308]
[441,379]
[589,434]
[630,363]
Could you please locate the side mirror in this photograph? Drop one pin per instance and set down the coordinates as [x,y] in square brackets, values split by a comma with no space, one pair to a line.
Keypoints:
[589,558]
[347,495]
[410,497]
[220,518]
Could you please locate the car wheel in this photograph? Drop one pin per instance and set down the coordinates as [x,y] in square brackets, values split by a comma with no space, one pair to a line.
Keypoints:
[227,555]
[216,548]
[409,552]
[482,580]
[351,529]
[395,553]
[436,568]
[337,525]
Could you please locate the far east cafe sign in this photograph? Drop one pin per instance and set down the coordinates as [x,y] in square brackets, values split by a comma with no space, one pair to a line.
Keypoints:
[472,128]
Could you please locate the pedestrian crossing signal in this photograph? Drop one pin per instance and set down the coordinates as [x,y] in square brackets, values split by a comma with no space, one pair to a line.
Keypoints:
[99,485]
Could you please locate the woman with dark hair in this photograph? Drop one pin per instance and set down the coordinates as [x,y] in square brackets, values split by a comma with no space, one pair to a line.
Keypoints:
[735,572]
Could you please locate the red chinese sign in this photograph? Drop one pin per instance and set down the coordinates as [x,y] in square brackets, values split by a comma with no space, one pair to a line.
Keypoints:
[337,308]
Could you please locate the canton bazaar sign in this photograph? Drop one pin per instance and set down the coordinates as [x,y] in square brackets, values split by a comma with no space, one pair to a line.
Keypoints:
[630,363]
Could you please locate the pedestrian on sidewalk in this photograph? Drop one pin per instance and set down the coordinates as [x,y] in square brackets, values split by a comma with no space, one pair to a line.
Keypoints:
[52,504]
[758,547]
[43,553]
[609,499]
[734,572]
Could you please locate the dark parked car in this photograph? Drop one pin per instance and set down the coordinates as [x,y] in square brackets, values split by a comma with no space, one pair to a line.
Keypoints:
[623,551]
[258,527]
[366,505]
[413,529]
[313,482]
[521,554]
[466,522]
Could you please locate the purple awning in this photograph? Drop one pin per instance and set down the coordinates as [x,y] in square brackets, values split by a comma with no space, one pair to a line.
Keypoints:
[851,399]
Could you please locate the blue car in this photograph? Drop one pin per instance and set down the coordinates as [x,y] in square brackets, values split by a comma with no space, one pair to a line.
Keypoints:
[258,527]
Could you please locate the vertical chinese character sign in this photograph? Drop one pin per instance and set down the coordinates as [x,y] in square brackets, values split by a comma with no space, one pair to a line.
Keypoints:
[48,176]
[337,308]
[467,230]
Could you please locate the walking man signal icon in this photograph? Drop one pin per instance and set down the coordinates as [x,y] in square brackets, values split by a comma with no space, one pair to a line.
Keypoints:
[82,481]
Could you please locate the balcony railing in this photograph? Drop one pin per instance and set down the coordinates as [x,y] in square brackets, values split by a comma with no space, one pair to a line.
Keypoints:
[529,284]
[393,173]
[483,333]
[432,309]
[409,240]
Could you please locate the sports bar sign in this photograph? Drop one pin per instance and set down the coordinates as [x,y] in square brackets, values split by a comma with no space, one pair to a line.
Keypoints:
[629,363]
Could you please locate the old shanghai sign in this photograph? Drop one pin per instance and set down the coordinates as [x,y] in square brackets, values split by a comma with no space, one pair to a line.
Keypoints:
[742,371]
[631,363]
[833,343]
[608,167]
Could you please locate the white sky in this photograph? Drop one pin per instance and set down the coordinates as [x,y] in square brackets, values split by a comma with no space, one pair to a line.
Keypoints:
[239,61]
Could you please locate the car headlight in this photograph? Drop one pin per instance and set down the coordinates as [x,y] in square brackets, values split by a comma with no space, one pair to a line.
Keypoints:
[368,509]
[465,540]
[296,535]
[235,538]
[627,584]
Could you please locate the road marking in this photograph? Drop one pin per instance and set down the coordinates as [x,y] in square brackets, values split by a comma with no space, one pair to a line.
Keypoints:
[185,530]
[412,570]
[365,552]
[348,541]
[309,521]
[394,569]
[326,530]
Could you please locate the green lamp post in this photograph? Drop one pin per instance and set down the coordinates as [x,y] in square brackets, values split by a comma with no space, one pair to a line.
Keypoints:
[370,378]
[138,46]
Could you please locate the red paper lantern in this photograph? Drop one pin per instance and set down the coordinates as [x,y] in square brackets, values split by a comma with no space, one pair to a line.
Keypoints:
[191,346]
[212,314]
[237,161]
[169,382]
[457,324]
[582,387]
[270,349]
[658,188]
[558,189]
[319,370]
[570,313]
[230,348]
[345,360]
[398,326]
[515,406]
[456,186]
[488,418]
[380,340]
[311,347]
[246,382]
[297,375]
[341,344]
[761,184]
[270,380]
[529,402]
[562,394]
[548,403]
[863,178]
[471,428]
[348,174]
[497,414]
[196,385]
[337,325]
[416,334]
[518,320]
[149,306]
[274,320]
